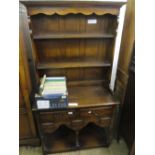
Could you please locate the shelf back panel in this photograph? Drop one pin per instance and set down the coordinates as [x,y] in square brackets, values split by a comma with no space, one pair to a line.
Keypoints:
[52,50]
[73,23]
[78,74]
[68,49]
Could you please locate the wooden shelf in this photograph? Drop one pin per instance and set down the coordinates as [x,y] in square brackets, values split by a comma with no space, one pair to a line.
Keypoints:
[63,139]
[72,36]
[92,136]
[73,63]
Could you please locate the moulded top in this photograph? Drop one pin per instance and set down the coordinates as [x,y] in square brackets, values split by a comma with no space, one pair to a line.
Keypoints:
[93,2]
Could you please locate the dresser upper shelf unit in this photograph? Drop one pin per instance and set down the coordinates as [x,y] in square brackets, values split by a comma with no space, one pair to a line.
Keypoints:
[73,36]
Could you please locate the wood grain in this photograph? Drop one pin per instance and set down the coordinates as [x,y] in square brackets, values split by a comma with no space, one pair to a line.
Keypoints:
[66,44]
[128,40]
[65,11]
[52,50]
[72,36]
[73,24]
[24,126]
[92,3]
[26,123]
[90,96]
[73,63]
[77,74]
[128,37]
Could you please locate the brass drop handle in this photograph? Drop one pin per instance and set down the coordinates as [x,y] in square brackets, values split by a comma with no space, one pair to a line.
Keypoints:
[89,112]
[70,113]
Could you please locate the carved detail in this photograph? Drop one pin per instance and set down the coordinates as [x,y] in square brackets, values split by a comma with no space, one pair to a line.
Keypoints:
[51,127]
[65,11]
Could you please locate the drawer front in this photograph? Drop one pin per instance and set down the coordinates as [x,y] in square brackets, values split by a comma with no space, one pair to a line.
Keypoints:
[97,112]
[104,111]
[58,116]
[76,119]
[46,117]
[105,121]
[88,116]
[65,116]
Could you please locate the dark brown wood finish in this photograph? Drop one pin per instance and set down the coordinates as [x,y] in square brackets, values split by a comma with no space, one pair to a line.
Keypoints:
[127,125]
[72,36]
[122,88]
[27,130]
[127,44]
[27,46]
[73,63]
[73,25]
[68,42]
[65,44]
[86,3]
[79,48]
[65,130]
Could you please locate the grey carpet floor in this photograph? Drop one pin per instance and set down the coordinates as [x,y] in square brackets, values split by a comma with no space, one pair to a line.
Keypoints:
[114,149]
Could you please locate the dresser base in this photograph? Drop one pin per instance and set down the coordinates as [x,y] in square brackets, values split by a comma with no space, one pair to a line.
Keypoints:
[90,124]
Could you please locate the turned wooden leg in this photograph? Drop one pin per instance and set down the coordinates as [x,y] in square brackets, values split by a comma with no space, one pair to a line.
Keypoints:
[77,139]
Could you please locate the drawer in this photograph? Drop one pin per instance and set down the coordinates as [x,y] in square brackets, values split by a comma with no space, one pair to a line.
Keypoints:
[48,127]
[98,112]
[65,116]
[46,117]
[58,116]
[105,121]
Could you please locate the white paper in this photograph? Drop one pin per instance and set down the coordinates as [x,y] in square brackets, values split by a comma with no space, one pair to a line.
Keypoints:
[43,104]
[73,104]
[92,21]
[64,96]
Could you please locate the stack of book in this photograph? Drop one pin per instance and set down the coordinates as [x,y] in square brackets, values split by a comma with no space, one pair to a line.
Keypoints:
[52,93]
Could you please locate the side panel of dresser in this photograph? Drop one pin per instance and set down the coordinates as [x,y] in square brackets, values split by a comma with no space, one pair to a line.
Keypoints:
[27,130]
[126,51]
